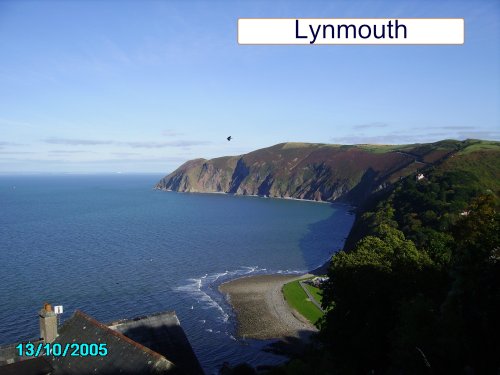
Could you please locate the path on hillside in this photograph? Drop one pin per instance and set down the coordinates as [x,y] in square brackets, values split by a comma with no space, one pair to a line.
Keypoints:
[417,158]
[310,296]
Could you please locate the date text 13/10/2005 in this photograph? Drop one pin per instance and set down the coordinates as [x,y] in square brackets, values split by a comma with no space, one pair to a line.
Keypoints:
[62,350]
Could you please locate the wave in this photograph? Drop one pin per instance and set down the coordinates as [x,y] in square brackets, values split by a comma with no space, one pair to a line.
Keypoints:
[198,287]
[205,288]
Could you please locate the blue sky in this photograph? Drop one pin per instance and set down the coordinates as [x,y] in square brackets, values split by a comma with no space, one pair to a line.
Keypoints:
[142,86]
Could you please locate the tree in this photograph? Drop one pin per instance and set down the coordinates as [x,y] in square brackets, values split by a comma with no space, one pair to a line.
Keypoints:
[363,297]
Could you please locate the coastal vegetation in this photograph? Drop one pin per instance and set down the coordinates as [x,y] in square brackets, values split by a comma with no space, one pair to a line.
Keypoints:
[422,302]
[418,292]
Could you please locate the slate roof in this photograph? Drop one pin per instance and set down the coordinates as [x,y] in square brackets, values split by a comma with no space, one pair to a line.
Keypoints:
[162,333]
[125,356]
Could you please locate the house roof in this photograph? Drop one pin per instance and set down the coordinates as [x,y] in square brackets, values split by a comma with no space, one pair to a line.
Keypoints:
[124,356]
[162,333]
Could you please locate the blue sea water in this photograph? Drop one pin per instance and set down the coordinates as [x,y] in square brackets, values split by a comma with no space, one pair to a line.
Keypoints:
[114,248]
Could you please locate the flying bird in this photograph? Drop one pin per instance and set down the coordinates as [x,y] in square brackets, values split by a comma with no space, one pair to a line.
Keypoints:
[229,138]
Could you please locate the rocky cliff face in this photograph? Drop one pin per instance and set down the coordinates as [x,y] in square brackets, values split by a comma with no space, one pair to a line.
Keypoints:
[295,170]
[318,172]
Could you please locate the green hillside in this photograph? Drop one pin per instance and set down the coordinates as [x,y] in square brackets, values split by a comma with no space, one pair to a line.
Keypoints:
[326,172]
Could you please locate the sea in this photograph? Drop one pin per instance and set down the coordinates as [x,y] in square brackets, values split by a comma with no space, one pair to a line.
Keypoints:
[115,248]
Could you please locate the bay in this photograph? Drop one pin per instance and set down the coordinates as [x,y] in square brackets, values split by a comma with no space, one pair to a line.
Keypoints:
[114,248]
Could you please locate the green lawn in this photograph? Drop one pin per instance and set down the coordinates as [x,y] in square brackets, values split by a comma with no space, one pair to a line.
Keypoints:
[297,299]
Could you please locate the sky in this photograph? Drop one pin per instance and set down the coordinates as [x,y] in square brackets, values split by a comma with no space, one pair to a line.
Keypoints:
[143,86]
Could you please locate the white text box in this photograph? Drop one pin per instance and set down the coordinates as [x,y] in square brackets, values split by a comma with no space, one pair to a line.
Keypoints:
[307,31]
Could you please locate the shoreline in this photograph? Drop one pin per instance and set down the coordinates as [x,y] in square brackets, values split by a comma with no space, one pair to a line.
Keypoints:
[261,310]
[256,196]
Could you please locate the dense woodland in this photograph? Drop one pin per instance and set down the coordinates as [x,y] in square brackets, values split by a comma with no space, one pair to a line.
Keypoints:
[419,292]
